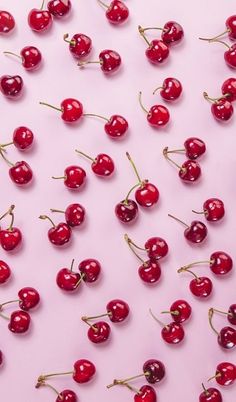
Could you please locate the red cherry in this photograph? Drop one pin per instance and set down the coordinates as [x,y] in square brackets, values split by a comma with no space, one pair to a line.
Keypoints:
[59,8]
[201,287]
[231,26]
[115,127]
[117,12]
[11,237]
[227,335]
[126,211]
[30,57]
[74,177]
[150,271]
[21,173]
[172,33]
[1,358]
[68,280]
[194,147]
[180,311]
[23,138]
[80,45]
[170,90]
[39,20]
[5,272]
[117,310]
[99,332]
[225,373]
[190,171]
[90,270]
[221,108]
[172,333]
[109,61]
[71,109]
[220,263]
[210,395]
[74,214]
[229,89]
[213,209]
[59,234]
[67,396]
[84,370]
[29,298]
[146,394]
[19,322]
[157,50]
[231,315]
[7,22]
[157,116]
[102,165]
[11,86]
[154,371]
[230,56]
[196,232]
[156,248]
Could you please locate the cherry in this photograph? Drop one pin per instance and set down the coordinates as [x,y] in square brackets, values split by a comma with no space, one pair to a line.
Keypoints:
[194,147]
[7,22]
[11,86]
[170,90]
[115,127]
[127,210]
[227,335]
[145,394]
[219,262]
[225,374]
[59,8]
[157,115]
[11,237]
[189,172]
[229,89]
[180,311]
[213,209]
[29,298]
[5,272]
[1,358]
[196,232]
[19,322]
[39,20]
[30,57]
[157,50]
[116,12]
[90,269]
[109,61]
[59,234]
[231,315]
[80,45]
[172,333]
[221,108]
[21,173]
[74,214]
[231,26]
[99,332]
[23,138]
[67,279]
[67,395]
[71,109]
[210,395]
[172,33]
[102,165]
[74,177]
[156,247]
[201,286]
[116,310]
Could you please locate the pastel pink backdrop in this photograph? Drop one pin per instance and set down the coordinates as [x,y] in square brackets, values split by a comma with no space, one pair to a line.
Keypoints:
[58,337]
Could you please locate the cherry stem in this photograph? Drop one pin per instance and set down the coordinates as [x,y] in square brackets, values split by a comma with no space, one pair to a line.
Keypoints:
[175,151]
[72,264]
[141,31]
[6,145]
[58,177]
[125,382]
[165,153]
[86,319]
[222,312]
[130,243]
[42,5]
[47,217]
[8,302]
[210,317]
[130,191]
[151,28]
[65,38]
[214,40]
[5,159]
[140,102]
[188,270]
[205,390]
[157,89]
[43,383]
[57,210]
[186,267]
[213,100]
[174,312]
[43,377]
[178,220]
[214,376]
[80,280]
[85,155]
[51,106]
[103,4]
[13,54]
[12,221]
[133,244]
[134,167]
[4,316]
[215,37]
[8,212]
[83,63]
[156,319]
[198,212]
[95,115]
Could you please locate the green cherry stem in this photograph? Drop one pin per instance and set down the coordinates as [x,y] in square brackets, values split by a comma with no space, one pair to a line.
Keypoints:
[83,63]
[51,106]
[141,103]
[45,384]
[130,191]
[185,267]
[96,115]
[157,320]
[8,302]
[10,210]
[42,5]
[165,153]
[215,37]
[47,217]
[85,155]
[178,220]
[13,54]
[205,390]
[43,377]
[130,244]
[174,312]
[222,312]
[57,210]
[180,270]
[141,31]
[210,318]
[5,159]
[103,4]
[12,222]
[134,167]
[65,38]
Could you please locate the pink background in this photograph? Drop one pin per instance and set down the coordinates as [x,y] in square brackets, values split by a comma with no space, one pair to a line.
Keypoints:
[58,337]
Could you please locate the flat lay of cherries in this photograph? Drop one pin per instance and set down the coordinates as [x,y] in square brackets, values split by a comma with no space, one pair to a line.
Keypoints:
[60,221]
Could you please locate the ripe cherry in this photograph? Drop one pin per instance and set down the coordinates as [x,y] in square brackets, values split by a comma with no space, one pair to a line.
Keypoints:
[74,214]
[28,298]
[80,45]
[193,148]
[90,270]
[109,61]
[172,33]
[219,262]
[196,232]
[170,90]
[30,57]
[157,50]
[157,115]
[189,171]
[221,108]
[172,333]
[21,173]
[229,89]
[201,286]
[126,210]
[155,247]
[23,138]
[64,396]
[227,335]
[117,12]
[99,332]
[59,8]
[7,22]
[74,177]
[180,311]
[11,237]
[116,310]
[210,395]
[5,272]
[225,374]
[67,279]
[71,109]
[115,127]
[102,165]
[231,314]
[11,86]
[59,234]
[39,20]
[213,209]
[19,322]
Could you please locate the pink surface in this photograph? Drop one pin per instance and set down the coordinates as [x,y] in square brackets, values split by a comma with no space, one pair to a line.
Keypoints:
[58,337]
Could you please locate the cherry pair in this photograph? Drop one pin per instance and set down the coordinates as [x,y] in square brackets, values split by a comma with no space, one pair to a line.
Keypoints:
[227,336]
[222,108]
[40,20]
[7,22]
[190,170]
[156,249]
[173,333]
[67,395]
[116,310]
[11,86]
[11,237]
[146,195]
[158,49]
[74,214]
[30,57]
[5,272]
[117,12]
[69,280]
[225,374]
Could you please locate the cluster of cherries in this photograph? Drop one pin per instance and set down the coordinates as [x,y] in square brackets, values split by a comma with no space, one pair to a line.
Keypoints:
[69,280]
[227,336]
[222,108]
[11,237]
[40,19]
[225,375]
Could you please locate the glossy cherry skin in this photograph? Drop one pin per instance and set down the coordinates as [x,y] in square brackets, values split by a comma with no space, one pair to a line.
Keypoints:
[173,333]
[116,127]
[157,51]
[147,194]
[39,20]
[19,322]
[60,234]
[232,314]
[99,332]
[210,395]
[67,396]
[226,373]
[227,338]
[117,12]
[196,232]
[221,263]
[126,211]
[154,371]
[180,311]
[10,238]
[75,215]
[201,287]
[7,22]
[29,298]
[103,165]
[190,171]
[90,269]
[172,33]
[74,177]
[68,280]
[23,138]
[213,209]
[110,60]
[80,45]
[150,271]
[222,109]
[230,56]
[156,248]
[84,371]
[118,310]
[158,116]
[11,86]
[5,272]
[21,173]
[31,58]
[229,88]
[171,89]
[59,8]
[72,110]
[194,147]
[146,394]
[231,25]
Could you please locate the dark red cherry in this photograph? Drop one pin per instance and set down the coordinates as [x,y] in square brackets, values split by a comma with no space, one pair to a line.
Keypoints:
[190,171]
[74,177]
[23,138]
[7,22]
[210,395]
[116,126]
[59,234]
[229,89]
[31,57]
[39,20]
[180,311]
[19,322]
[110,60]
[157,51]
[147,194]
[225,373]
[201,287]
[173,333]
[84,371]
[154,371]
[117,12]
[196,232]
[227,338]
[171,89]
[172,33]
[213,209]
[102,165]
[194,147]
[118,310]
[231,316]
[5,272]
[11,86]
[80,45]
[146,394]
[21,173]
[220,263]
[71,109]
[29,298]
[67,396]
[1,358]
[10,238]
[99,332]
[68,280]
[90,269]
[75,215]
[59,8]
[156,248]
[126,211]
[222,109]
[231,26]
[150,271]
